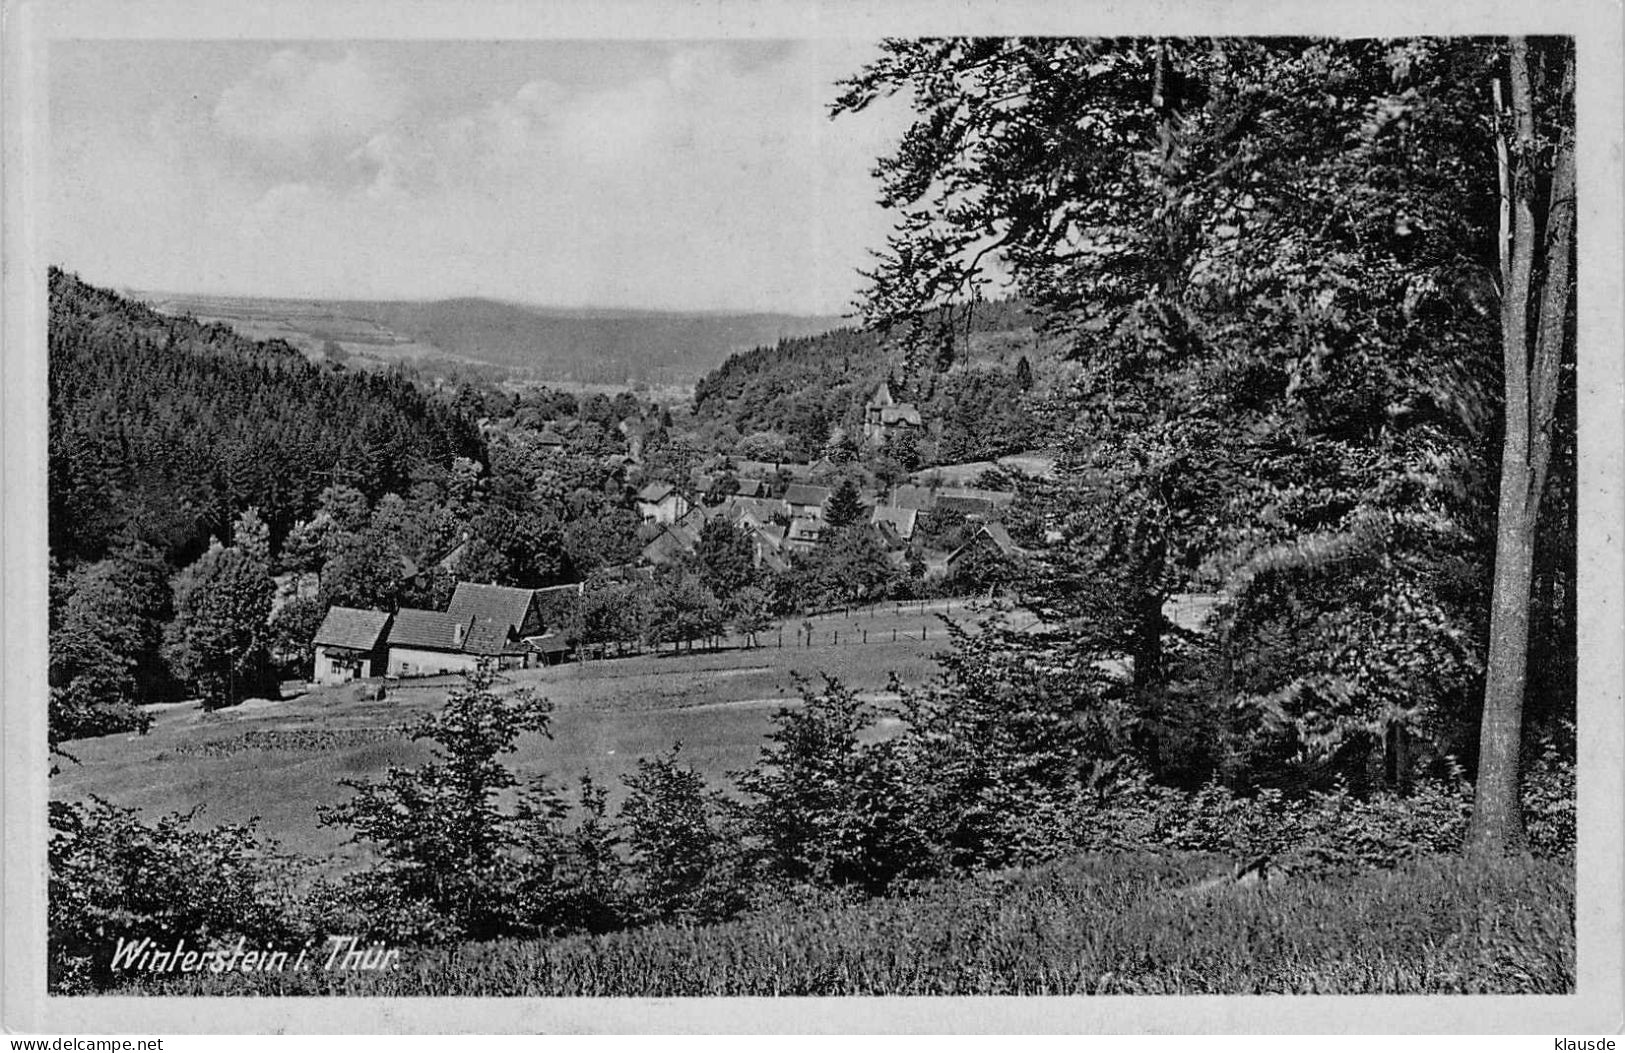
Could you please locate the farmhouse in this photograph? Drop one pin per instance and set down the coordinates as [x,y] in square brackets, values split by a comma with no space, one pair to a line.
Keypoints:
[422,643]
[661,503]
[490,622]
[804,534]
[760,509]
[806,501]
[884,417]
[992,541]
[517,610]
[674,542]
[350,645]
[899,520]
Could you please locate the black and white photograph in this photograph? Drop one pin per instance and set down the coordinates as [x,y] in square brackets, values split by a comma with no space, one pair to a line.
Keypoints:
[840,513]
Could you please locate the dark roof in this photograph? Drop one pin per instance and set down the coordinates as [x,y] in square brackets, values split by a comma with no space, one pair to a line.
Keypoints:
[654,493]
[490,603]
[432,630]
[761,508]
[992,497]
[995,534]
[350,627]
[916,497]
[901,520]
[672,542]
[488,637]
[964,505]
[802,494]
[1001,537]
[751,488]
[902,413]
[441,631]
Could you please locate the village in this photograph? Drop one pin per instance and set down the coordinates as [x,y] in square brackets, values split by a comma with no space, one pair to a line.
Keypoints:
[783,509]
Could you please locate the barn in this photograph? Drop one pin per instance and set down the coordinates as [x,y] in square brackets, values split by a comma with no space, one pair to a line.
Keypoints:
[349,645]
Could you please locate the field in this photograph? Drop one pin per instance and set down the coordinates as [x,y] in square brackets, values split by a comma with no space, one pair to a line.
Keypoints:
[1087,925]
[277,761]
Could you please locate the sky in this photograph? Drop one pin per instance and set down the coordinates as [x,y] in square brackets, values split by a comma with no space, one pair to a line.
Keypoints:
[687,175]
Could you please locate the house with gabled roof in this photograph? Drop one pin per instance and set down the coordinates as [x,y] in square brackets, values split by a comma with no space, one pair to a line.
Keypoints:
[674,542]
[492,623]
[900,521]
[762,510]
[992,540]
[804,534]
[423,643]
[515,609]
[806,501]
[350,645]
[661,503]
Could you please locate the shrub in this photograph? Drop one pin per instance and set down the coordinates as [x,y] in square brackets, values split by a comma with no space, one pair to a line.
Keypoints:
[567,878]
[683,864]
[823,808]
[114,877]
[1333,830]
[1549,794]
[446,846]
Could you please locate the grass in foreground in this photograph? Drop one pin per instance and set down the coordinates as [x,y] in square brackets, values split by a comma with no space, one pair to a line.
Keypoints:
[1090,925]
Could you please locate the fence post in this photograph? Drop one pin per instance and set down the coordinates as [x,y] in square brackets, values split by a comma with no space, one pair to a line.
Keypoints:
[866,636]
[835,637]
[894,635]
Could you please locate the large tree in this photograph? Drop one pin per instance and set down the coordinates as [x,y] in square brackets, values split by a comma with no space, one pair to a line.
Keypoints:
[1535,148]
[1272,261]
[219,642]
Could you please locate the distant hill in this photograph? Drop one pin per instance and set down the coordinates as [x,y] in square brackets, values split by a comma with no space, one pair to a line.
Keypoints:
[586,344]
[597,346]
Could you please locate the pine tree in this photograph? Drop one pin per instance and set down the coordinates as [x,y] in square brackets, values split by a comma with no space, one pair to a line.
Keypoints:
[845,505]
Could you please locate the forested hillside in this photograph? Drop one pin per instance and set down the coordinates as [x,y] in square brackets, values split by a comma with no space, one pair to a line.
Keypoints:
[163,430]
[974,403]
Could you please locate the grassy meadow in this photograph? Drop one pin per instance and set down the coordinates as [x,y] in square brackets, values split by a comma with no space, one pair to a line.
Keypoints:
[278,761]
[1142,924]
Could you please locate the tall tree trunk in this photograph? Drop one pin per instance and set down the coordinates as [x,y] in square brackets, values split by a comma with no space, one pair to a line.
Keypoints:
[1532,352]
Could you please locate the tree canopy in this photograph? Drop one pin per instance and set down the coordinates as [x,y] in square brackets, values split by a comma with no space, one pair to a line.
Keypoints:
[1274,262]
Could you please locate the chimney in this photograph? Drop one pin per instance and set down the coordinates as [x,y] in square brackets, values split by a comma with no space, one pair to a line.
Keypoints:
[460,633]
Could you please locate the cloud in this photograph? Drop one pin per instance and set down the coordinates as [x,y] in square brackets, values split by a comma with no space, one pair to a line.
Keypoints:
[295,104]
[697,179]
